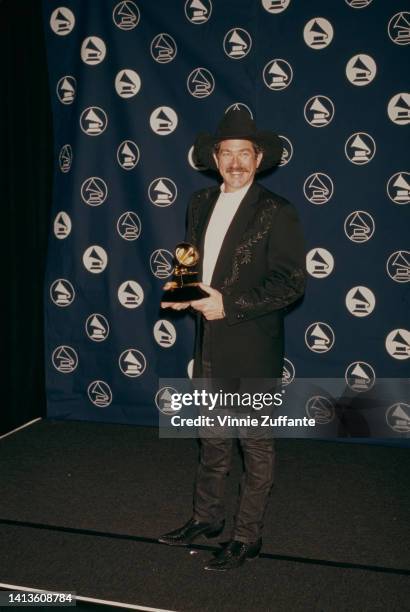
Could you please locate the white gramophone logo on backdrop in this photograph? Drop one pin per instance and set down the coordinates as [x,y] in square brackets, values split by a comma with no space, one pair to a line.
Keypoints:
[126,15]
[164,333]
[277,74]
[358,4]
[398,109]
[319,111]
[237,43]
[66,89]
[398,417]
[360,376]
[191,160]
[65,158]
[93,121]
[398,188]
[95,259]
[275,6]
[132,363]
[163,400]
[64,359]
[127,83]
[239,106]
[398,344]
[288,372]
[321,409]
[318,33]
[360,301]
[163,120]
[128,155]
[62,21]
[163,48]
[130,294]
[319,263]
[93,50]
[99,393]
[198,11]
[97,327]
[287,152]
[200,83]
[162,191]
[319,337]
[94,191]
[359,226]
[399,28]
[62,225]
[360,148]
[190,368]
[398,266]
[161,263]
[129,226]
[361,69]
[318,188]
[62,292]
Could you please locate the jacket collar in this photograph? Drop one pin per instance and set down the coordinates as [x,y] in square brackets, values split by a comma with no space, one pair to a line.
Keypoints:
[235,231]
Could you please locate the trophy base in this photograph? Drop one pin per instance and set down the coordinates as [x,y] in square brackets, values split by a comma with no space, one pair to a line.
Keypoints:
[186,293]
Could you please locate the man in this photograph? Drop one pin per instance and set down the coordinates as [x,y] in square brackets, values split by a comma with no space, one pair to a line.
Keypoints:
[252,256]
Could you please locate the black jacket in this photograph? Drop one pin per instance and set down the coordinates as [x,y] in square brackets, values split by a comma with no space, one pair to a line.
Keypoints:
[260,271]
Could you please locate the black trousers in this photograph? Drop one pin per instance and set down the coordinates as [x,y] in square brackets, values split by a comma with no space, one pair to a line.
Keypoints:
[214,465]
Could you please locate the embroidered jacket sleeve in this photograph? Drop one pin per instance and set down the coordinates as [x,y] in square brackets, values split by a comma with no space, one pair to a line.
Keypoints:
[284,283]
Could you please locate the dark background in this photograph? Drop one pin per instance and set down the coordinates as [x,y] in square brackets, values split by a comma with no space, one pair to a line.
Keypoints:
[356,187]
[25,188]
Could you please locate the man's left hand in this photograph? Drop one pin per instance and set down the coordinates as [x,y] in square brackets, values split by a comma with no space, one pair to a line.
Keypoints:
[211,307]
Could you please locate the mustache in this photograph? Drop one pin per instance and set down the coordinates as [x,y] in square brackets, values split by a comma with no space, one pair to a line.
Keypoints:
[236,169]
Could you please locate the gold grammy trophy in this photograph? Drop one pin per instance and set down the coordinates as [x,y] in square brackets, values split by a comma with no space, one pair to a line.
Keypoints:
[185,284]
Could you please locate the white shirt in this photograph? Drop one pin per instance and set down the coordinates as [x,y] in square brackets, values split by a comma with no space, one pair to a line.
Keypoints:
[221,218]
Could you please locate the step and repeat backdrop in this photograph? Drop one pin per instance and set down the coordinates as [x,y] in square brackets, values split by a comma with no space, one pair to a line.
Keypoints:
[132,83]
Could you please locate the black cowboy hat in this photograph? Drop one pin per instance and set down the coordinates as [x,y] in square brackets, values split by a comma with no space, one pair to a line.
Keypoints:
[237,123]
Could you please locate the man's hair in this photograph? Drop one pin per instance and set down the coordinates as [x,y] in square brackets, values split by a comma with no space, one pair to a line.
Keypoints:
[255,146]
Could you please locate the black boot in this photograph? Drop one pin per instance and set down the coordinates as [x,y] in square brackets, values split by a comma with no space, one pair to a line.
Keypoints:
[190,531]
[234,554]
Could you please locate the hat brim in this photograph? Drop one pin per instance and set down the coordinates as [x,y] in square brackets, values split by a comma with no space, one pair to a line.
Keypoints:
[269,142]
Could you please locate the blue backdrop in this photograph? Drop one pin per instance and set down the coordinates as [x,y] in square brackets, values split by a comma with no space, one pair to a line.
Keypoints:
[132,83]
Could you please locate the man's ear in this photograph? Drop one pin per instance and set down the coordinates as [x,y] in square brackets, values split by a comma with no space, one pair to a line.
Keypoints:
[259,159]
[215,160]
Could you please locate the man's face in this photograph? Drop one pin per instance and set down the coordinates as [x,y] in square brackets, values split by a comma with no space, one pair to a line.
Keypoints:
[237,163]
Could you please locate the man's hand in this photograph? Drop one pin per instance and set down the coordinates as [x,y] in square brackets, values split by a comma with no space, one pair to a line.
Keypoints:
[211,307]
[174,305]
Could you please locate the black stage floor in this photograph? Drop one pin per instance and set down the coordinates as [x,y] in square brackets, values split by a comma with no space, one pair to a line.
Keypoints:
[81,506]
